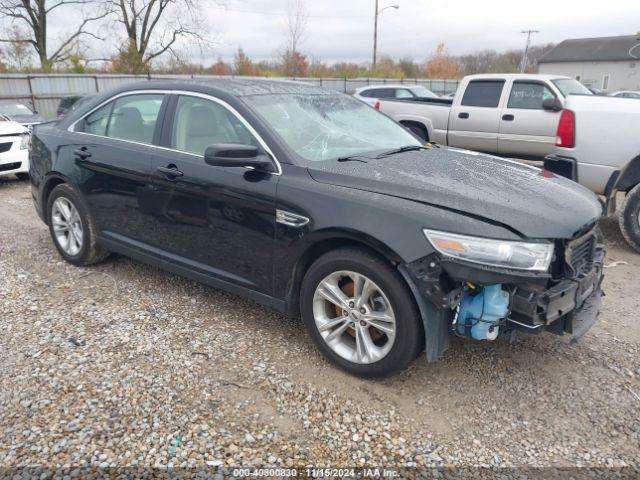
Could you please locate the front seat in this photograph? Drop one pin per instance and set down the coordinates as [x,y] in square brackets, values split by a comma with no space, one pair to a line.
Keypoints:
[128,124]
[206,126]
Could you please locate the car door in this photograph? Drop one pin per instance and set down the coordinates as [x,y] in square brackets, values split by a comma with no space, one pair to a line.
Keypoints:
[112,147]
[525,127]
[474,122]
[216,221]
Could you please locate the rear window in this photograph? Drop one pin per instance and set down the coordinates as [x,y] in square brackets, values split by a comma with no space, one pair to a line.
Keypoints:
[483,93]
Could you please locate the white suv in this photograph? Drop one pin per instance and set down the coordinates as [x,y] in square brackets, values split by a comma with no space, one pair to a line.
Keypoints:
[372,93]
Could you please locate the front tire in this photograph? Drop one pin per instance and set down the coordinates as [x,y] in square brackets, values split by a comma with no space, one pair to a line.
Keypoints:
[629,218]
[71,227]
[22,176]
[360,314]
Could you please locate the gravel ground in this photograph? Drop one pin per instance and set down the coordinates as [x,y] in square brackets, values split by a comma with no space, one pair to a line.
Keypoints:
[125,365]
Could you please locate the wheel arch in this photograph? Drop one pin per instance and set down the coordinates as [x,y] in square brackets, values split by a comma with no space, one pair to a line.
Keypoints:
[423,122]
[629,176]
[412,123]
[323,243]
[51,182]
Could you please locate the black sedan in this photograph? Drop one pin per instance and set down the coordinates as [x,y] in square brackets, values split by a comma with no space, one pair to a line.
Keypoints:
[319,206]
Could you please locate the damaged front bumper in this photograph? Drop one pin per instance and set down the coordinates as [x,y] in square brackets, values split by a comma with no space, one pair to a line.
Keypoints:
[558,303]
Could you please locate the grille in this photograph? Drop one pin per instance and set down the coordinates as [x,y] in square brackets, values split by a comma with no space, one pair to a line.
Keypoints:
[10,166]
[5,147]
[580,254]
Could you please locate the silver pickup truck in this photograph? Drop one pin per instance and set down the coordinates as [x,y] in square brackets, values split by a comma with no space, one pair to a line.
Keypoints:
[507,114]
[598,145]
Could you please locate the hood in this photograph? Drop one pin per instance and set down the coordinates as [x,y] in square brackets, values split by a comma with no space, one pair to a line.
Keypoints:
[27,119]
[520,197]
[8,127]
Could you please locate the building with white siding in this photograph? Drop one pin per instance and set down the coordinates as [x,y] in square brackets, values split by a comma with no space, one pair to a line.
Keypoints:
[608,63]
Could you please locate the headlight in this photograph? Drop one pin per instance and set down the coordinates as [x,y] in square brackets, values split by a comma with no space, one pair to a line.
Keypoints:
[496,253]
[25,142]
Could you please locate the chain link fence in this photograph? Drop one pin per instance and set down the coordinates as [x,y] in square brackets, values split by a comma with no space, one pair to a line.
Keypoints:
[44,91]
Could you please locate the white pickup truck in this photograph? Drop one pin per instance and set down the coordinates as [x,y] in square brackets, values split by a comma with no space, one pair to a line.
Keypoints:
[507,114]
[598,145]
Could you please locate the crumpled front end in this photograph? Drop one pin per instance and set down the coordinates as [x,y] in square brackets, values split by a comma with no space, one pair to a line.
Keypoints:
[487,303]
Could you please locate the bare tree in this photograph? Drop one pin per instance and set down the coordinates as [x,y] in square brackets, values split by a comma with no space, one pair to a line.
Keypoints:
[31,17]
[154,27]
[293,62]
[297,23]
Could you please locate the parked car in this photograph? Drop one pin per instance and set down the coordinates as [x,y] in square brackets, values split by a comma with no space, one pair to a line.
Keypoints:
[372,93]
[317,205]
[626,94]
[65,104]
[19,112]
[598,145]
[595,90]
[14,149]
[507,114]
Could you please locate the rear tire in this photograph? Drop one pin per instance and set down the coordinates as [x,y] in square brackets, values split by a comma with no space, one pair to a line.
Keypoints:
[71,227]
[629,218]
[361,348]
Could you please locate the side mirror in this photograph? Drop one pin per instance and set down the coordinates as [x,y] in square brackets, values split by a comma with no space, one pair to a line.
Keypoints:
[236,155]
[552,105]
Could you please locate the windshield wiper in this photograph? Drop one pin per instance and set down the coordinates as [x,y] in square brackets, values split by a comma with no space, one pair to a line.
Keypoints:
[354,158]
[408,148]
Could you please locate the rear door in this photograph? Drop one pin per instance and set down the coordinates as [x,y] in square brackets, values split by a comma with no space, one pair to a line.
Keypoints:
[525,127]
[474,122]
[112,146]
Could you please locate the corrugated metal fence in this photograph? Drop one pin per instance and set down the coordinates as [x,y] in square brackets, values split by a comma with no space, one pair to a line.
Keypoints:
[43,92]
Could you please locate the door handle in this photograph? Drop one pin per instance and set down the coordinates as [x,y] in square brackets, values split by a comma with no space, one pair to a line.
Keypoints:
[463,115]
[82,153]
[171,171]
[508,118]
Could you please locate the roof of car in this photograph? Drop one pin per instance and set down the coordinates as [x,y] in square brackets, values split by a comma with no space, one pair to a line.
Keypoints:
[234,86]
[515,76]
[388,85]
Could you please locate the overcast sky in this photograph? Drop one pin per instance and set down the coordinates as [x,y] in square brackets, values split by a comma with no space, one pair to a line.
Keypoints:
[343,29]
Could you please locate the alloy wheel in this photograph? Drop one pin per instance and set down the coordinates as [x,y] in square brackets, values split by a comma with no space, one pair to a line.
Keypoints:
[354,317]
[67,225]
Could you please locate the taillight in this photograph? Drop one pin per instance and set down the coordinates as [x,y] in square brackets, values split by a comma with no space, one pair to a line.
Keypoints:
[566,136]
[377,105]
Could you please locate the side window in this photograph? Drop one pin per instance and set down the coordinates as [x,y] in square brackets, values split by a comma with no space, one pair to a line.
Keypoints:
[368,93]
[134,117]
[199,123]
[528,95]
[403,93]
[386,92]
[97,122]
[483,93]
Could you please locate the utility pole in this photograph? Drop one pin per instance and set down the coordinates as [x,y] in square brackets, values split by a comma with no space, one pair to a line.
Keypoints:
[523,65]
[375,32]
[375,39]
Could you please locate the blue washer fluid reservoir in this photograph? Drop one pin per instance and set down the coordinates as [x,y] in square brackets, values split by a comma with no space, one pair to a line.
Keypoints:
[483,311]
